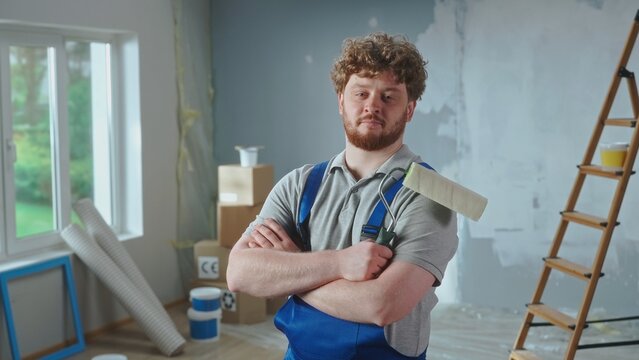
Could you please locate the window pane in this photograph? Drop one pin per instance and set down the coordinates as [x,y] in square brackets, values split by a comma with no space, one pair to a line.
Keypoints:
[89,115]
[79,112]
[31,112]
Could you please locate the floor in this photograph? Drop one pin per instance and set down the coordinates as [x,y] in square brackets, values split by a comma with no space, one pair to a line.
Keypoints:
[458,332]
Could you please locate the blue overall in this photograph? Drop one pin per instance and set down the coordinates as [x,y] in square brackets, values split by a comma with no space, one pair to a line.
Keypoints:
[315,335]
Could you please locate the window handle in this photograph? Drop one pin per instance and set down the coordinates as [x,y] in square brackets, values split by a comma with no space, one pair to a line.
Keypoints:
[11,148]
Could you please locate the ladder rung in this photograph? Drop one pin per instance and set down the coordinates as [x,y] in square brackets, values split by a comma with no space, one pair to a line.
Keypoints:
[570,268]
[598,170]
[523,355]
[585,219]
[627,122]
[557,318]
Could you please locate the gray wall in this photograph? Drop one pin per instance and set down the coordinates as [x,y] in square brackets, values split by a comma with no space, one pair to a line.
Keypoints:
[271,64]
[513,94]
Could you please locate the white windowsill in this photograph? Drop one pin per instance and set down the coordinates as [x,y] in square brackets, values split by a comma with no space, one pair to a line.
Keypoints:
[52,252]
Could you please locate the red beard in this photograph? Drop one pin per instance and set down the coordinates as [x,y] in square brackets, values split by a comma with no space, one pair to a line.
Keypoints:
[370,141]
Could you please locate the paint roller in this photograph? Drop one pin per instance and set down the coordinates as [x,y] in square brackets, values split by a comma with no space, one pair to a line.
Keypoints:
[445,192]
[438,188]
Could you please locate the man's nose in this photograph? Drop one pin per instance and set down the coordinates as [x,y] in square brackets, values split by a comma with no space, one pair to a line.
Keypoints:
[373,104]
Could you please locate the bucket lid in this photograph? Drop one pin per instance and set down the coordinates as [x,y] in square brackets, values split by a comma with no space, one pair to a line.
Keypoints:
[614,146]
[205,293]
[241,148]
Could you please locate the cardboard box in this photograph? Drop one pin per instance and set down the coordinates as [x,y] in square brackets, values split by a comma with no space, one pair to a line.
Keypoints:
[274,304]
[240,185]
[211,260]
[232,221]
[237,308]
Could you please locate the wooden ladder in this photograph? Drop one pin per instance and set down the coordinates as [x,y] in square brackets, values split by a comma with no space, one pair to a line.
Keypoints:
[590,274]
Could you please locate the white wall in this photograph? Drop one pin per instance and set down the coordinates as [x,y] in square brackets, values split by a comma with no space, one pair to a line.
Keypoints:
[152,20]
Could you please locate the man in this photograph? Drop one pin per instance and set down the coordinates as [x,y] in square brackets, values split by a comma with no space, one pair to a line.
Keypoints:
[353,298]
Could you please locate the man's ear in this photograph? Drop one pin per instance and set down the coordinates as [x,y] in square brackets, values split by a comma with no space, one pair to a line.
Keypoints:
[410,110]
[340,103]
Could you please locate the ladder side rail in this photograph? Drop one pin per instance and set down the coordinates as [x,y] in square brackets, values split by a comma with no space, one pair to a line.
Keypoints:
[578,185]
[589,293]
[596,134]
[619,192]
[525,326]
[580,178]
[634,96]
[606,237]
[545,272]
[612,92]
[572,200]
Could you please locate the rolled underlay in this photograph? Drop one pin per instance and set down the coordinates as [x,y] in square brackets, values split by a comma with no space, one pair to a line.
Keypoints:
[155,323]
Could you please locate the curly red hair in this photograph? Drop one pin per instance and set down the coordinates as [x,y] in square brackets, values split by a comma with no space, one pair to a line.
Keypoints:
[376,53]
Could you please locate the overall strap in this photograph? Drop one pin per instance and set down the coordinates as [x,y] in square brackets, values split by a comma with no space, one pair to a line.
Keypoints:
[375,221]
[309,193]
[311,187]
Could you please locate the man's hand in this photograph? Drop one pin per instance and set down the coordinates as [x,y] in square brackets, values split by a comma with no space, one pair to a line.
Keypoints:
[270,235]
[363,261]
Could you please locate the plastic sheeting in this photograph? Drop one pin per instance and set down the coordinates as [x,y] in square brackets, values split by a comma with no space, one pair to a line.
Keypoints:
[463,331]
[196,171]
[153,321]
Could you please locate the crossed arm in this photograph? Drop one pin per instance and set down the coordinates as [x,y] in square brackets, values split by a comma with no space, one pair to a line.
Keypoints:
[359,283]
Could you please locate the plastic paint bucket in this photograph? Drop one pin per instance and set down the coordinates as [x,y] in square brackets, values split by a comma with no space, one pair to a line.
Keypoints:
[205,298]
[613,155]
[204,325]
[248,155]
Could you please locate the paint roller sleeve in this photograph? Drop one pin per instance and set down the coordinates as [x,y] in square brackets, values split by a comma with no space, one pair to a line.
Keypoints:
[445,192]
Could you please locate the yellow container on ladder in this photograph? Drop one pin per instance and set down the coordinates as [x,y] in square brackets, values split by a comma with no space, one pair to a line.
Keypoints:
[613,155]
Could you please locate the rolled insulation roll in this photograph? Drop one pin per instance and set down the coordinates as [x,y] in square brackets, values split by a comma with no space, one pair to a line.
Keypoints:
[159,328]
[108,241]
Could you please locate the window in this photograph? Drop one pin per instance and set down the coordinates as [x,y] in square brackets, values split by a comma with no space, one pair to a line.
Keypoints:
[61,131]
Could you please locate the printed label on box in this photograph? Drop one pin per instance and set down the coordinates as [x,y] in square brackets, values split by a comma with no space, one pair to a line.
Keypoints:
[229,300]
[208,267]
[228,197]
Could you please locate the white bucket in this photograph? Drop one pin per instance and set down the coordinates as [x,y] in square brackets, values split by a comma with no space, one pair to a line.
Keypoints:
[248,155]
[205,298]
[204,325]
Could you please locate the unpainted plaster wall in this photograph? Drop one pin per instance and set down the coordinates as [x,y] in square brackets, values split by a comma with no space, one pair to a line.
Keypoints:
[514,90]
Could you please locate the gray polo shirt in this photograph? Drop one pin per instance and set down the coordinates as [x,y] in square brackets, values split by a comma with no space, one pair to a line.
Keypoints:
[426,231]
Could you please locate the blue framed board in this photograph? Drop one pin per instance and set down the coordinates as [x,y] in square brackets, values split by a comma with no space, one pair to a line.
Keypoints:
[29,270]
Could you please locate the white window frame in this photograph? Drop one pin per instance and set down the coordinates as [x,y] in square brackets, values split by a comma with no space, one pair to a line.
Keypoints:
[124,135]
[57,106]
